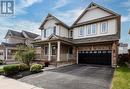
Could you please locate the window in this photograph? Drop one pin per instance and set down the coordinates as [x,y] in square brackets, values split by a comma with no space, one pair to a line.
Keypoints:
[44,33]
[71,33]
[46,50]
[104,27]
[91,29]
[81,31]
[53,50]
[88,29]
[71,50]
[49,31]
[94,27]
[54,31]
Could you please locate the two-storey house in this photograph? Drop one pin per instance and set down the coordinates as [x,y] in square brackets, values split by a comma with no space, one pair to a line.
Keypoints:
[92,39]
[14,38]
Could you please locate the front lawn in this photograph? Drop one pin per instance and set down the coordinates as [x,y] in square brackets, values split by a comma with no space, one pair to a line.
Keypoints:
[121,79]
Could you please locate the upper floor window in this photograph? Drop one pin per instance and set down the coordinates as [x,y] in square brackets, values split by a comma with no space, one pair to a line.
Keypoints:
[54,30]
[81,31]
[49,31]
[94,27]
[91,29]
[71,33]
[44,33]
[88,29]
[104,27]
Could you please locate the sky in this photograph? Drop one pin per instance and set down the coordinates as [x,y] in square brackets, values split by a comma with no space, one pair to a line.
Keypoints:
[29,14]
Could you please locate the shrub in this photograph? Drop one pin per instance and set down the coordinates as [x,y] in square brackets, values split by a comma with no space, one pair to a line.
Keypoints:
[11,69]
[25,54]
[23,67]
[35,68]
[1,62]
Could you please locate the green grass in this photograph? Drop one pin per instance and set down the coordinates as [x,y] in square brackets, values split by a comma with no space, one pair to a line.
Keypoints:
[121,79]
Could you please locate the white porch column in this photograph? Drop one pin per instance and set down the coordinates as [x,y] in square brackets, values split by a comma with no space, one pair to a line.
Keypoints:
[49,51]
[6,54]
[58,51]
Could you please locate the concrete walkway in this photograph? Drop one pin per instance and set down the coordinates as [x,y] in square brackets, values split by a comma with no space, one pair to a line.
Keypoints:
[7,83]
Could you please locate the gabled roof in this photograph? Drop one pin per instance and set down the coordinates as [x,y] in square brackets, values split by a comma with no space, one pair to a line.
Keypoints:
[58,21]
[30,34]
[92,4]
[53,36]
[14,33]
[20,34]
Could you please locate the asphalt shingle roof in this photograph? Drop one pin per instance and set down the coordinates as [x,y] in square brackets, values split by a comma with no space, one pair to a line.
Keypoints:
[31,35]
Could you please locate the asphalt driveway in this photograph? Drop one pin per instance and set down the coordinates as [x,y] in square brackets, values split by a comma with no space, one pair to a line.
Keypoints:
[73,77]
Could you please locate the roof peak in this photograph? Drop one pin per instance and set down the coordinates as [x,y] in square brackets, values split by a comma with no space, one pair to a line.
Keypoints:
[93,4]
[59,21]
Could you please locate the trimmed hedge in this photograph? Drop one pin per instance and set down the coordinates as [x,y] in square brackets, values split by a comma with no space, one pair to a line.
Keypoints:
[15,68]
[11,69]
[35,68]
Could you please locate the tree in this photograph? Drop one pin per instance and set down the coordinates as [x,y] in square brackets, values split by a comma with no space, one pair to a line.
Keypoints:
[24,54]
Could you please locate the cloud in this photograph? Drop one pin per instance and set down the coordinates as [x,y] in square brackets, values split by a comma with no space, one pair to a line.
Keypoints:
[127,3]
[20,8]
[126,18]
[27,3]
[61,3]
[17,25]
[69,16]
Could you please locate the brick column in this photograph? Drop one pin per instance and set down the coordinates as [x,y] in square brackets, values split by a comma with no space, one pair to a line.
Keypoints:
[114,54]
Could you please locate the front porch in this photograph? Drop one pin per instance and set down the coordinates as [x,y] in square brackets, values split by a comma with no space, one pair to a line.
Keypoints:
[57,51]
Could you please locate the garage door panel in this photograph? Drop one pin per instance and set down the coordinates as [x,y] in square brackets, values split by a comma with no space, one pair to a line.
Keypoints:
[101,58]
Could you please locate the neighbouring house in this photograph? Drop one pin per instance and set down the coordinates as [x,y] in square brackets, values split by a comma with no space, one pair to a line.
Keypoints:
[123,48]
[92,39]
[13,39]
[1,52]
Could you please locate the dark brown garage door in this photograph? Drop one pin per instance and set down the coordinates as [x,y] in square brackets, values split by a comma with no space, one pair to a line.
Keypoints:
[94,57]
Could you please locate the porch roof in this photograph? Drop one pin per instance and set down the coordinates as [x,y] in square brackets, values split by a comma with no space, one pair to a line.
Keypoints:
[107,38]
[54,38]
[98,39]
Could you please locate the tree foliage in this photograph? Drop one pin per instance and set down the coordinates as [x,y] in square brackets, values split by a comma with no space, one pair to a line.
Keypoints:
[24,54]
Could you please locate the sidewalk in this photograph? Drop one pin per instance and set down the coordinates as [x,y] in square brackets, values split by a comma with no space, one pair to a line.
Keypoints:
[8,83]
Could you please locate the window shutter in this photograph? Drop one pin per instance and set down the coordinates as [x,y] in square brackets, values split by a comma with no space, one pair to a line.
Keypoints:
[54,31]
[44,33]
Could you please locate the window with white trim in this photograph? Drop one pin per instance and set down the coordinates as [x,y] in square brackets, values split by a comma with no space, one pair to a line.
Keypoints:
[88,29]
[93,28]
[104,27]
[81,31]
[71,34]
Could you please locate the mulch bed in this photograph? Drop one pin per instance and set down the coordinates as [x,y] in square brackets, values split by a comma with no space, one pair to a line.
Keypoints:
[21,74]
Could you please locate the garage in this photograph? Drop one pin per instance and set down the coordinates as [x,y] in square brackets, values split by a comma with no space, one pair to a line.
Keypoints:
[94,57]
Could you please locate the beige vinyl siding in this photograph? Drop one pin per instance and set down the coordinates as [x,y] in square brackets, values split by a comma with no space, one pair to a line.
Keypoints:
[112,29]
[93,14]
